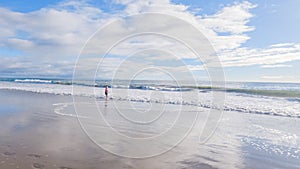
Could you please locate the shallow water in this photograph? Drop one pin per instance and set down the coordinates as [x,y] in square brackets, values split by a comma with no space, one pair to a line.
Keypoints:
[256,98]
[42,131]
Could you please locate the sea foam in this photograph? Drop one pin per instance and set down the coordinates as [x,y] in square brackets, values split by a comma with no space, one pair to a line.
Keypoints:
[240,102]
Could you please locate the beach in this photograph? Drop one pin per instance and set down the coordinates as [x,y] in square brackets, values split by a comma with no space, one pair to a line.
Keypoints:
[149,84]
[42,130]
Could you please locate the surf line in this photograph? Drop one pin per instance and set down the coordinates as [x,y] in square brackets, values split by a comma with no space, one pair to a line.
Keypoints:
[61,106]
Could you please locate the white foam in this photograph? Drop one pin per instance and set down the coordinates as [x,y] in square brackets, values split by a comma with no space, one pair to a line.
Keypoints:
[60,108]
[234,102]
[33,81]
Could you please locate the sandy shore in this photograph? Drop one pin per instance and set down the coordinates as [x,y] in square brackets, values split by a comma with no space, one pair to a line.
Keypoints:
[42,131]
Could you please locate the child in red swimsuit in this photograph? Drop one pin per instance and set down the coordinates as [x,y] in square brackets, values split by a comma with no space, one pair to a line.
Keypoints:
[106,91]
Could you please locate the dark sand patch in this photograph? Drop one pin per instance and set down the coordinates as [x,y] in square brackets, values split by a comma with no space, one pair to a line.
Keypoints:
[208,158]
[38,166]
[195,165]
[34,155]
[65,167]
[9,153]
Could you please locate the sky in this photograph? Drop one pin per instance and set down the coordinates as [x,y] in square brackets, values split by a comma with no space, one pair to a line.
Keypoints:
[255,40]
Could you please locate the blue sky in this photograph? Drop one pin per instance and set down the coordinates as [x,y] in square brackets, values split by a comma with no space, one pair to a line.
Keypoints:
[255,40]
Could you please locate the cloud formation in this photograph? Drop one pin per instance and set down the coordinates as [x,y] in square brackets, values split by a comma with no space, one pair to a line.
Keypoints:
[54,35]
[232,19]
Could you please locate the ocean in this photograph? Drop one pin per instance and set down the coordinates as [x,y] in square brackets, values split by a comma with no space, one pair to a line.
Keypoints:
[276,99]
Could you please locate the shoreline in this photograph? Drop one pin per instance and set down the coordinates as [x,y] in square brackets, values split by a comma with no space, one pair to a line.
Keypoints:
[34,136]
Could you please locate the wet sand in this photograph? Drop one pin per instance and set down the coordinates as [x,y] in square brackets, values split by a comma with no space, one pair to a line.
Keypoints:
[41,131]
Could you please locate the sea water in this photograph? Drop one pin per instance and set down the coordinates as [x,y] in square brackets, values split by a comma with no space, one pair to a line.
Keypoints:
[279,99]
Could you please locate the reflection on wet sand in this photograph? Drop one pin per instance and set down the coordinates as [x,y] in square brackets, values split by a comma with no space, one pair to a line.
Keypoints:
[42,131]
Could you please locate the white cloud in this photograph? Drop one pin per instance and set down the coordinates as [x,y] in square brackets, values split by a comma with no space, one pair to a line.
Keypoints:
[231,19]
[275,77]
[276,66]
[55,32]
[58,33]
[275,54]
[195,68]
[23,66]
[280,78]
[67,25]
[282,45]
[19,43]
[142,6]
